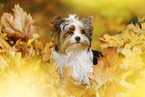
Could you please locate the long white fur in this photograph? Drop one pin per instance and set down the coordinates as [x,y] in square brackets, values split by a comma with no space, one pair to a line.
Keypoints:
[76,55]
[70,20]
[81,63]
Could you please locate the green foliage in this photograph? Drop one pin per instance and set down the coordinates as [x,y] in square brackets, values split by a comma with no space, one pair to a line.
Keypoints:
[1,6]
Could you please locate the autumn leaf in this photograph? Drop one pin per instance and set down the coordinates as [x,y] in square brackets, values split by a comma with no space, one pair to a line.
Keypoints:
[38,46]
[4,64]
[18,26]
[68,71]
[45,52]
[71,86]
[128,38]
[5,47]
[26,49]
[119,73]
[103,72]
[3,43]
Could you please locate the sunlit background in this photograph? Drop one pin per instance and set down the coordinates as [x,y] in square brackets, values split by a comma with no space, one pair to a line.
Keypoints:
[110,16]
[28,70]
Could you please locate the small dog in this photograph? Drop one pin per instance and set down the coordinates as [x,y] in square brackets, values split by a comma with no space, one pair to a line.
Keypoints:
[72,38]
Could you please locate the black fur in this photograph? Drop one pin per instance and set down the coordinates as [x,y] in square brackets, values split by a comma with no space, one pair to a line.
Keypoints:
[88,31]
[96,55]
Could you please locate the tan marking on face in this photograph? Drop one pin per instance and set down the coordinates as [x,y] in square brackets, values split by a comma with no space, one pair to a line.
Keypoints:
[72,28]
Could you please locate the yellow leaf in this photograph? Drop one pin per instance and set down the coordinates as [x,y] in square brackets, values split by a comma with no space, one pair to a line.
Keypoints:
[103,72]
[68,71]
[132,59]
[47,52]
[27,50]
[35,36]
[4,44]
[3,63]
[38,46]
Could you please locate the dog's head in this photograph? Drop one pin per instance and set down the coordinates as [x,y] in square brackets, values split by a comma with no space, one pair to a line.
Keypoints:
[71,34]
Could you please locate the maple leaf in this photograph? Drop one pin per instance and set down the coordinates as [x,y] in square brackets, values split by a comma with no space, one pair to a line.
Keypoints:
[130,37]
[47,52]
[18,26]
[103,71]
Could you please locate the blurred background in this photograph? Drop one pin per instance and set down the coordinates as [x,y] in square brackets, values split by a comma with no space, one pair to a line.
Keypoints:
[110,16]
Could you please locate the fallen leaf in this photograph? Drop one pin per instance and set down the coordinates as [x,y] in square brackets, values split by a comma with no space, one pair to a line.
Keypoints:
[27,50]
[4,46]
[103,72]
[68,71]
[38,46]
[4,64]
[18,26]
[47,52]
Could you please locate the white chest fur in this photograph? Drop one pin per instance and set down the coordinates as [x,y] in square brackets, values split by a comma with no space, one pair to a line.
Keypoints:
[82,63]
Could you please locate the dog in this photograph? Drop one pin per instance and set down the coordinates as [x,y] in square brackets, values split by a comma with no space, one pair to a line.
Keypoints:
[72,39]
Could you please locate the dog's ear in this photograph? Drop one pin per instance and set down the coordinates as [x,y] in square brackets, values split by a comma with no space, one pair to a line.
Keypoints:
[88,19]
[88,23]
[56,23]
[55,27]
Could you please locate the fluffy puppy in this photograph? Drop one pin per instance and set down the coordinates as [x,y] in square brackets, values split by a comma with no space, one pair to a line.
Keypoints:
[72,38]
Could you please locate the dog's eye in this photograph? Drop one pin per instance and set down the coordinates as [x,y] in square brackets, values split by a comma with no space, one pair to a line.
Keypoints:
[83,31]
[70,32]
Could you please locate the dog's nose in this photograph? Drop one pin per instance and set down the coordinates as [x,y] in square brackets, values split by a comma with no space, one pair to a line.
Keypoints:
[77,38]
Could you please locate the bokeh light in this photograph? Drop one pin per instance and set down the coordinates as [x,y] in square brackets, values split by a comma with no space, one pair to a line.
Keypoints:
[110,16]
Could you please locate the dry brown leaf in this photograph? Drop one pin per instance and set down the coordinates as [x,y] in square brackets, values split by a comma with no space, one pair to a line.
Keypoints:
[47,52]
[3,44]
[133,35]
[26,49]
[29,52]
[112,56]
[103,71]
[18,26]
[72,87]
[38,46]
[112,41]
[120,40]
[46,56]
[74,90]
